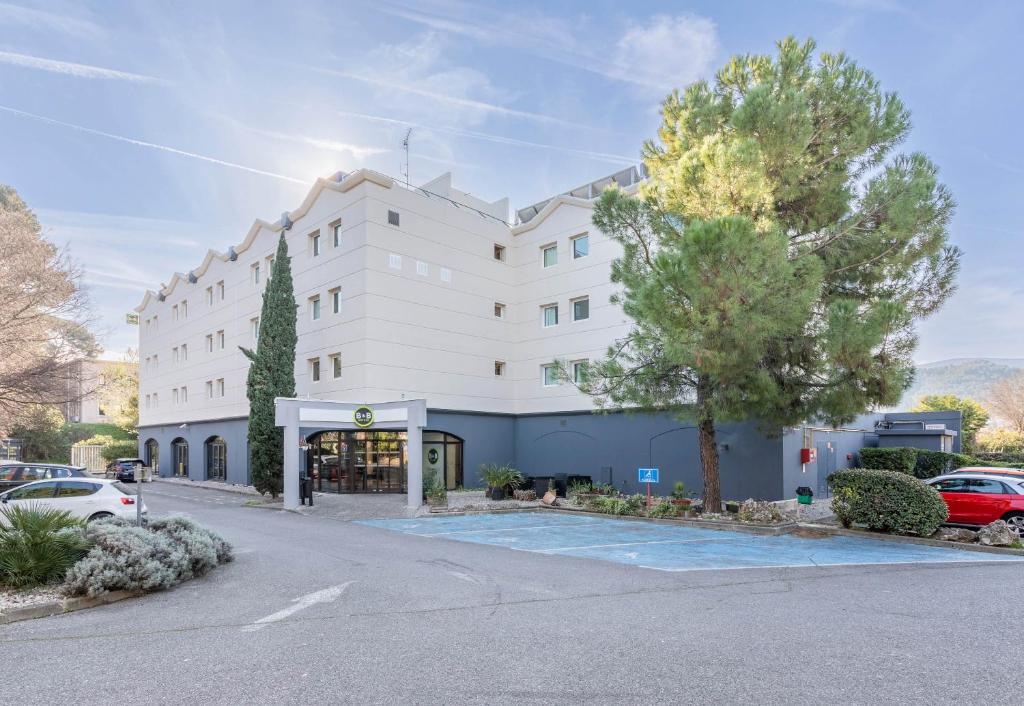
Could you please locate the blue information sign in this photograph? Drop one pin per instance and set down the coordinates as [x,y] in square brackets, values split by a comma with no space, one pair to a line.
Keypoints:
[647,475]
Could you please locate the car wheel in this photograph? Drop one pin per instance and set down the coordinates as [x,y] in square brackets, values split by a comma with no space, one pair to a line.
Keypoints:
[1016,522]
[100,516]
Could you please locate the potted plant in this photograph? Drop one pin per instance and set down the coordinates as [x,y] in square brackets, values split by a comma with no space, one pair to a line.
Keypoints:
[434,491]
[679,497]
[501,480]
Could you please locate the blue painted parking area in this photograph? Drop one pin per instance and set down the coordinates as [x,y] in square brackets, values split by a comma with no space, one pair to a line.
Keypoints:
[667,547]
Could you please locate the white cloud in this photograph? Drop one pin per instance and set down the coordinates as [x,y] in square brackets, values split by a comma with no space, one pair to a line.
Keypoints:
[359,152]
[667,51]
[31,18]
[68,68]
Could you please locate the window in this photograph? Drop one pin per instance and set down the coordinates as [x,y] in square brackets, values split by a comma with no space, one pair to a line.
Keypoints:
[209,343]
[38,491]
[550,375]
[446,274]
[314,243]
[314,369]
[184,310]
[174,396]
[580,370]
[581,309]
[220,387]
[220,290]
[220,340]
[147,325]
[254,328]
[184,395]
[394,261]
[254,273]
[314,308]
[499,252]
[174,313]
[549,315]
[156,323]
[422,268]
[270,264]
[951,485]
[174,354]
[987,486]
[499,310]
[580,246]
[209,296]
[184,351]
[499,368]
[549,255]
[216,458]
[335,300]
[147,401]
[336,365]
[209,389]
[156,362]
[393,218]
[156,400]
[76,488]
[336,234]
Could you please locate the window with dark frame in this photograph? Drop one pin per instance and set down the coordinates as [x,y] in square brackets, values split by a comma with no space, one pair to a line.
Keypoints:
[393,218]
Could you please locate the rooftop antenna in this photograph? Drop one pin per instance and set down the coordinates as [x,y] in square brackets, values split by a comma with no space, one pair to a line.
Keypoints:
[405,144]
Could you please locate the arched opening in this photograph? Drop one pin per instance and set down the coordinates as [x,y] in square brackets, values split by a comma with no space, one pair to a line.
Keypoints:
[216,459]
[153,454]
[179,455]
[442,455]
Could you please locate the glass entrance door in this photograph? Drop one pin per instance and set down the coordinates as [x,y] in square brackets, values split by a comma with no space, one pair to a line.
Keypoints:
[358,461]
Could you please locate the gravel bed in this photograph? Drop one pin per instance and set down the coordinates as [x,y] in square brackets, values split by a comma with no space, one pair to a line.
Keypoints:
[12,599]
[463,500]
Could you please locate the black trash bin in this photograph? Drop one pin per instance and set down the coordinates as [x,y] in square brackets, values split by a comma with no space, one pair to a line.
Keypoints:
[561,484]
[541,484]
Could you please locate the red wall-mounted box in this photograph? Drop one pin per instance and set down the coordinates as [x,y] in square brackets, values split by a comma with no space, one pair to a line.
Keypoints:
[808,455]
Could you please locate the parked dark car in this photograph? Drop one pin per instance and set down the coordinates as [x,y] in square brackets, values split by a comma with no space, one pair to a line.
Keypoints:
[123,469]
[15,473]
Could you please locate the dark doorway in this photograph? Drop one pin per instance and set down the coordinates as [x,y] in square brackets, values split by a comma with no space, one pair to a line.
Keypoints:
[179,455]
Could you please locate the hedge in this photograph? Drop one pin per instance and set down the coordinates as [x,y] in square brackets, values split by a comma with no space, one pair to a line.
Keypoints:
[888,501]
[900,458]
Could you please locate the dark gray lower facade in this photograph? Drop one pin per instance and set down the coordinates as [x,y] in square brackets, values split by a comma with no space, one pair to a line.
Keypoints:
[607,447]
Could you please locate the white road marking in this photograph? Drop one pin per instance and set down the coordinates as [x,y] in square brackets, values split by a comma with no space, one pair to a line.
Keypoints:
[838,563]
[327,595]
[503,529]
[640,544]
[464,577]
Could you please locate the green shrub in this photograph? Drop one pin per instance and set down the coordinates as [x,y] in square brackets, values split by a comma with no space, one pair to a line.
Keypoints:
[38,545]
[664,508]
[129,558]
[501,476]
[899,458]
[616,505]
[119,449]
[889,501]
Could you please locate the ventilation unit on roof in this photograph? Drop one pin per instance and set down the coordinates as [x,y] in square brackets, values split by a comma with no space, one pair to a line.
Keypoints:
[286,222]
[232,255]
[192,279]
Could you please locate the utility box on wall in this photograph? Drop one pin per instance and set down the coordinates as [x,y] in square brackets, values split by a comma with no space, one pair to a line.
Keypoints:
[808,455]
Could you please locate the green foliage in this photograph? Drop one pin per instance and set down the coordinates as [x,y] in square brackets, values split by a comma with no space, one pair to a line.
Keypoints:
[272,374]
[579,486]
[888,501]
[664,508]
[120,449]
[618,505]
[973,415]
[80,431]
[1000,444]
[780,253]
[41,430]
[129,558]
[38,545]
[899,458]
[501,475]
[679,490]
[433,488]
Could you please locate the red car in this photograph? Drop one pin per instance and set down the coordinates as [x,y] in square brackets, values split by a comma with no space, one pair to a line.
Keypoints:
[980,498]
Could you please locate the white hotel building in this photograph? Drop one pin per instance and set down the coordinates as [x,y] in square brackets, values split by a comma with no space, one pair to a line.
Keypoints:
[430,299]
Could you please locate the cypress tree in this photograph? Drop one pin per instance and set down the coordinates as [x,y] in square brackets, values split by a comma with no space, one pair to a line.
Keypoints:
[272,374]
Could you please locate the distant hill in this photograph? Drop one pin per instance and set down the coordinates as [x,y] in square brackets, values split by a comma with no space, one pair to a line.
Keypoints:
[963,377]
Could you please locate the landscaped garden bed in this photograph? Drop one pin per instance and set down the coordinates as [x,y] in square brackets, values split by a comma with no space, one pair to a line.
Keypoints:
[49,558]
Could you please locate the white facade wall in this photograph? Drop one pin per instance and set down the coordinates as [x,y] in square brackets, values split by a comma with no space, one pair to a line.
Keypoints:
[421,327]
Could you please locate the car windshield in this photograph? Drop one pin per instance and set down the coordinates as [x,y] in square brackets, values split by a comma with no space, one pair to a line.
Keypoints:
[126,489]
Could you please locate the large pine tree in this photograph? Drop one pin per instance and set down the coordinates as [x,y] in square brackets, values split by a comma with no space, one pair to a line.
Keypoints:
[272,374]
[779,255]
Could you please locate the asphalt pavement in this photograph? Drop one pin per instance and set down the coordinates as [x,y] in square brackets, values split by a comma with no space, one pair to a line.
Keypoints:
[316,610]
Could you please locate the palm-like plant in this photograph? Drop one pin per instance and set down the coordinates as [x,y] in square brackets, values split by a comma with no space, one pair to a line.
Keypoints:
[38,545]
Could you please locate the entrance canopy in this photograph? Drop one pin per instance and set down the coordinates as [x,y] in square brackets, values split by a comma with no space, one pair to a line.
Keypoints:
[302,417]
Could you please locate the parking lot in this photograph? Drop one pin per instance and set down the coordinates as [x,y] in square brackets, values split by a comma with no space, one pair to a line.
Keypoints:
[668,547]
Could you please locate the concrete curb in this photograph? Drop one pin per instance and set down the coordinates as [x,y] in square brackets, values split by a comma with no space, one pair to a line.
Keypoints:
[68,605]
[207,485]
[766,530]
[904,539]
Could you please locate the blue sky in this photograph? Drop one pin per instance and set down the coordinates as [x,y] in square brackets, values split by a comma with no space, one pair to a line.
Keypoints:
[145,133]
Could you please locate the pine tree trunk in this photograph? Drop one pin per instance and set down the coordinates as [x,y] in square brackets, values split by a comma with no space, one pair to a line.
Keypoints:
[708,449]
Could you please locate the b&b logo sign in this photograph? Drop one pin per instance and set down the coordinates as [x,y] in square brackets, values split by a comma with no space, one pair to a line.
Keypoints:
[363,417]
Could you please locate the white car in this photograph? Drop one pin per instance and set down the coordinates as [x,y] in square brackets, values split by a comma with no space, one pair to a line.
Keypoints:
[89,499]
